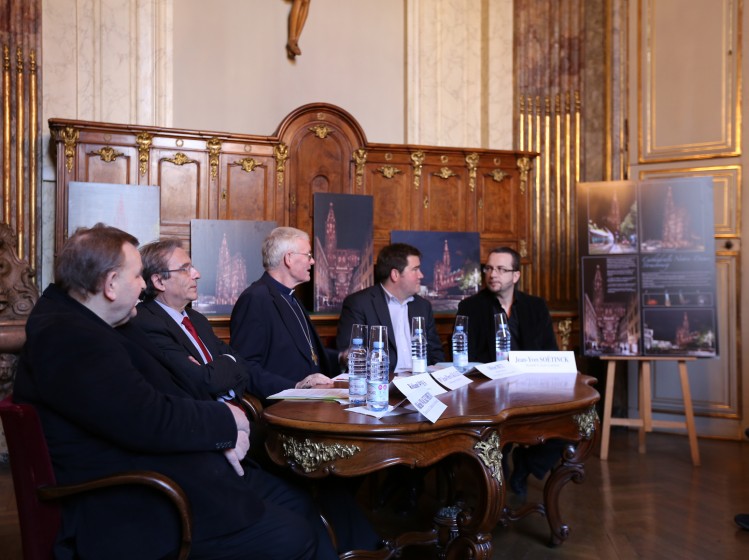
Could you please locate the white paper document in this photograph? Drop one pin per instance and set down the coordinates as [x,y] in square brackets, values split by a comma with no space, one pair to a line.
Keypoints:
[544,361]
[391,410]
[451,378]
[331,394]
[500,369]
[420,390]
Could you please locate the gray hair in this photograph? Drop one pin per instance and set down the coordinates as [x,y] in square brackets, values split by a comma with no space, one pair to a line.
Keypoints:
[279,242]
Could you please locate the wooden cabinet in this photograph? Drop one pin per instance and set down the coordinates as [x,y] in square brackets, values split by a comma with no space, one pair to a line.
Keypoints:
[316,148]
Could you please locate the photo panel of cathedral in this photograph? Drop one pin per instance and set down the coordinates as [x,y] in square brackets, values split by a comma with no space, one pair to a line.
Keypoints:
[676,214]
[228,255]
[611,209]
[450,262]
[670,331]
[131,208]
[648,267]
[611,318]
[343,248]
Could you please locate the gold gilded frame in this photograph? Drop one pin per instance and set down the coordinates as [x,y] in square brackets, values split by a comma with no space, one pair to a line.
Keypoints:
[727,193]
[727,116]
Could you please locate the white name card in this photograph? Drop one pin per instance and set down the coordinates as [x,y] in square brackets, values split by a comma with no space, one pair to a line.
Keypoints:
[420,390]
[543,361]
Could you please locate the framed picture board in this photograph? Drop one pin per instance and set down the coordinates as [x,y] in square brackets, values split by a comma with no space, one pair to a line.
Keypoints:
[228,255]
[450,262]
[131,208]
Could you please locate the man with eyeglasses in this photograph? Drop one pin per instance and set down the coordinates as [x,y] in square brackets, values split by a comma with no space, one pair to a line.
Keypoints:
[271,329]
[183,334]
[528,316]
[530,329]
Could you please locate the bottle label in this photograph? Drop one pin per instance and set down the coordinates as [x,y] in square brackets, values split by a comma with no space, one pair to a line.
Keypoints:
[357,389]
[419,365]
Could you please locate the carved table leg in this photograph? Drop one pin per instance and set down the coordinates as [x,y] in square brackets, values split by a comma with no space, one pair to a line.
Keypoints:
[571,468]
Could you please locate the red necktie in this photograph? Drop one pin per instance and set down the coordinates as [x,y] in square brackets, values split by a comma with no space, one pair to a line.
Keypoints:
[191,329]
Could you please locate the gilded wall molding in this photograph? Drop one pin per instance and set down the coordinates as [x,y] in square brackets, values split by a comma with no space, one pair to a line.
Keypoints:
[472,161]
[388,171]
[524,166]
[417,159]
[69,136]
[704,76]
[247,164]
[360,158]
[280,154]
[321,131]
[214,150]
[445,173]
[179,159]
[726,193]
[107,154]
[144,140]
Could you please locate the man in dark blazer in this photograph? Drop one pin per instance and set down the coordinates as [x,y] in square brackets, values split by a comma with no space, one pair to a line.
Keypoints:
[201,357]
[530,329]
[109,402]
[397,280]
[528,316]
[271,329]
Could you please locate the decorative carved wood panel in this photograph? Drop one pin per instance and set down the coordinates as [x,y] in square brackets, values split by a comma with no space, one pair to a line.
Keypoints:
[316,148]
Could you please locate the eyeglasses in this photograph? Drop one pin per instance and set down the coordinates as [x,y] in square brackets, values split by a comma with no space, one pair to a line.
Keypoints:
[310,256]
[186,269]
[500,269]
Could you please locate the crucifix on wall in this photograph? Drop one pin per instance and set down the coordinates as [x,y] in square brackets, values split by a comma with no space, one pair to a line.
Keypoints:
[297,17]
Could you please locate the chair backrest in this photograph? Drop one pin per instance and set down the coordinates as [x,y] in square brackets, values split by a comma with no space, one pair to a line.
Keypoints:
[31,468]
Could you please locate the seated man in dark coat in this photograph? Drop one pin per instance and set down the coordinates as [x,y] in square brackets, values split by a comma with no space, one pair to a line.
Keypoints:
[392,302]
[269,326]
[530,329]
[109,402]
[183,334]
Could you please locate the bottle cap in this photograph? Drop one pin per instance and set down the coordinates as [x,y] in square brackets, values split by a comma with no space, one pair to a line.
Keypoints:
[459,328]
[357,341]
[377,344]
[418,331]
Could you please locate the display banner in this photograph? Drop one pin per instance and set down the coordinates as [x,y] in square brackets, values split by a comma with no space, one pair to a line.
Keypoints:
[647,268]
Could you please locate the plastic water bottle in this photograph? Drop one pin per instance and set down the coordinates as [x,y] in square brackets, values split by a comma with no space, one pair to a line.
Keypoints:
[357,372]
[460,349]
[419,351]
[377,378]
[502,339]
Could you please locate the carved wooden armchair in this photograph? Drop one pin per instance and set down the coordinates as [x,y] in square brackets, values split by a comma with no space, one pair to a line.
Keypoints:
[38,497]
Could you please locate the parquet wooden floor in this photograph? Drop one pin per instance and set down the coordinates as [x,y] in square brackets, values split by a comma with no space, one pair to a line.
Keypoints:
[655,506]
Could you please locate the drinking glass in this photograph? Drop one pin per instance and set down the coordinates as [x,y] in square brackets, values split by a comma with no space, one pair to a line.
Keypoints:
[359,331]
[378,333]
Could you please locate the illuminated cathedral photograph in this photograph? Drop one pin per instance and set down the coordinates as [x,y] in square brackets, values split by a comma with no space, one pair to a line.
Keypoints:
[343,248]
[228,255]
[450,262]
[679,332]
[611,319]
[612,218]
[674,214]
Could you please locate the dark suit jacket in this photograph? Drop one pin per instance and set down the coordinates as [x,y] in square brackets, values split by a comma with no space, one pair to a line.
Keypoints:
[265,331]
[217,377]
[369,307]
[107,404]
[534,329]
